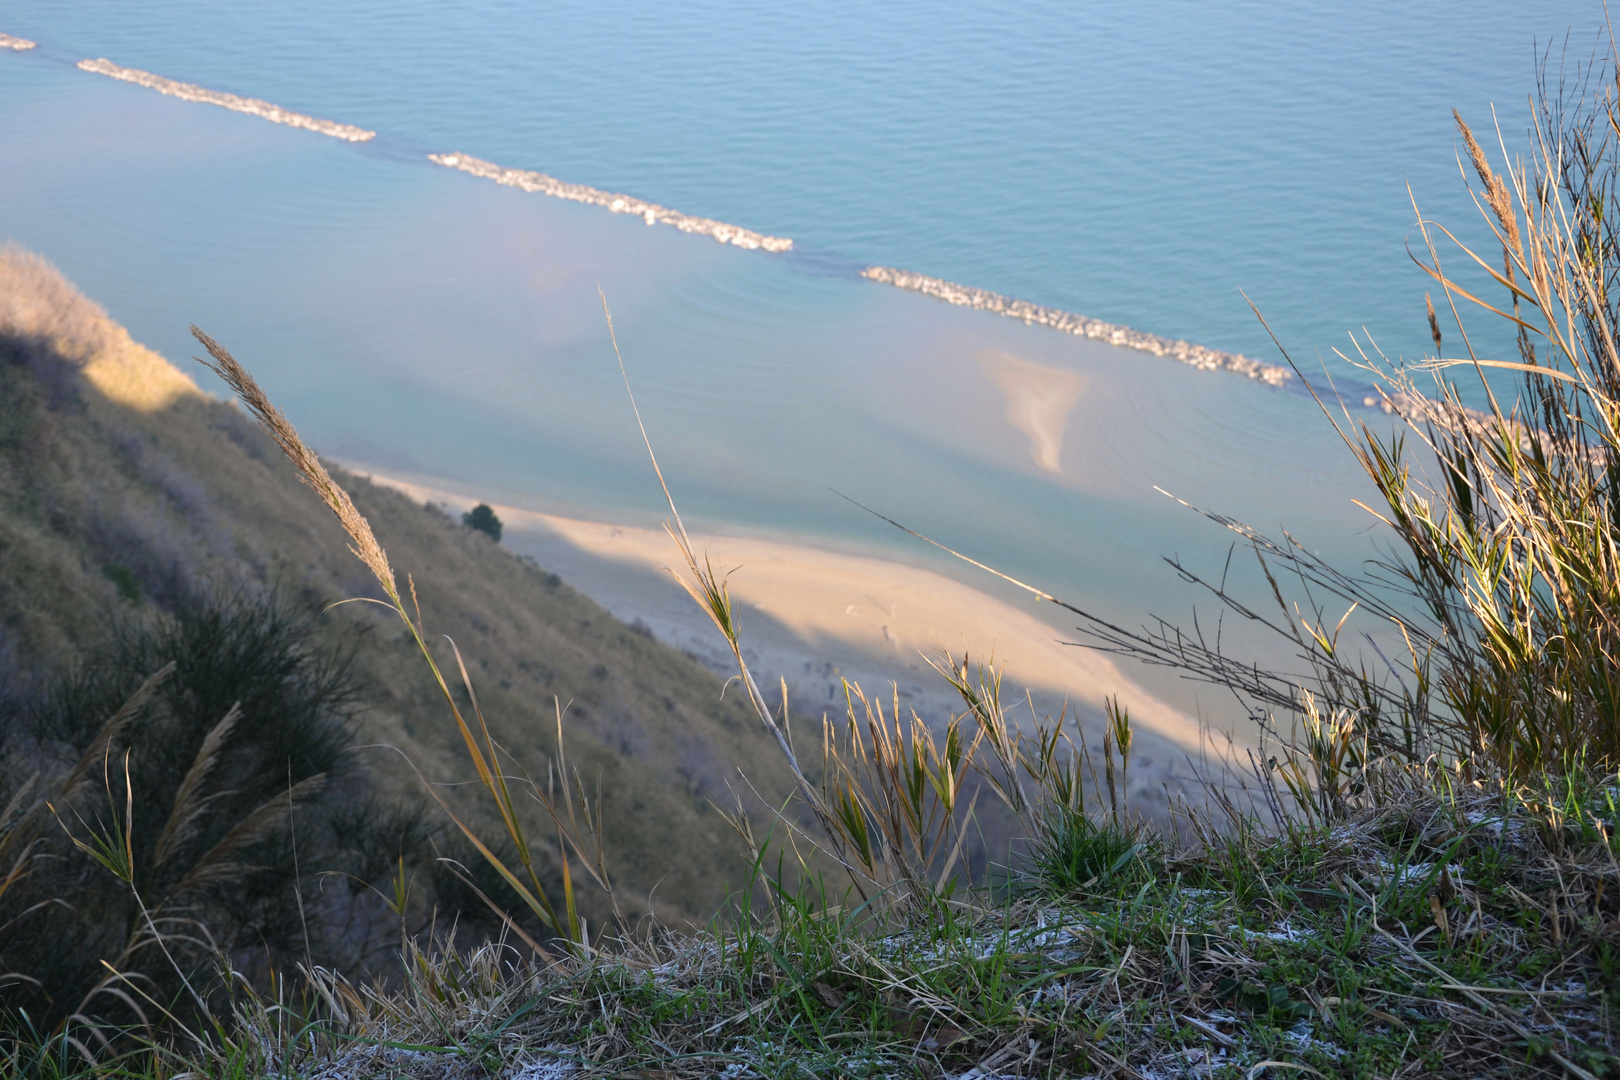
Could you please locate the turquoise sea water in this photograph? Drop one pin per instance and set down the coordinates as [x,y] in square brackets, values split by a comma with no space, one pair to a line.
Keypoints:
[1137,163]
[1139,166]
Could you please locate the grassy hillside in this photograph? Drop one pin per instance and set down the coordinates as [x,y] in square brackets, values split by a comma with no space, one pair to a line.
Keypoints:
[125,489]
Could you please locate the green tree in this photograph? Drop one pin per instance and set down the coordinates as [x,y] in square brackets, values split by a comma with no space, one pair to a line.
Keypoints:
[482,518]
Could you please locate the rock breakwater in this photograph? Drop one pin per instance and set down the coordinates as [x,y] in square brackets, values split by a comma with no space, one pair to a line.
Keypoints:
[652,213]
[17,43]
[252,106]
[1198,356]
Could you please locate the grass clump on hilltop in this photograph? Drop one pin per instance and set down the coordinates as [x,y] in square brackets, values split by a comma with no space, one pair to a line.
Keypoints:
[1420,879]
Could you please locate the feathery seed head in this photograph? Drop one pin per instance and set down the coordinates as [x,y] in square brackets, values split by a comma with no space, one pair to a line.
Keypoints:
[363,542]
[1496,191]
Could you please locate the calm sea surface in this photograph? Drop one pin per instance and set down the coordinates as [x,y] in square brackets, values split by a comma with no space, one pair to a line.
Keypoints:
[1136,163]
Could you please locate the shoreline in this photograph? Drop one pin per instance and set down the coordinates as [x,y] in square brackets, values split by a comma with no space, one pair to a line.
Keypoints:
[811,617]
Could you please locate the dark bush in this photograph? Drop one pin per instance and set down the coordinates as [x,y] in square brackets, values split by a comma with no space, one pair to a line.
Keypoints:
[214,809]
[123,580]
[482,517]
[257,841]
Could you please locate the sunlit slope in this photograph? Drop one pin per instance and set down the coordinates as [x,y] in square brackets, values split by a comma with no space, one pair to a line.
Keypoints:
[124,488]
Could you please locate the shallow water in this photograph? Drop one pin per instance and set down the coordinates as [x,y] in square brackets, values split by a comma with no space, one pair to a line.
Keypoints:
[1132,167]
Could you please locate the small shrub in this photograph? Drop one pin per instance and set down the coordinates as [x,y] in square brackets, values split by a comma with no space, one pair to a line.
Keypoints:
[123,580]
[482,518]
[1074,853]
[248,738]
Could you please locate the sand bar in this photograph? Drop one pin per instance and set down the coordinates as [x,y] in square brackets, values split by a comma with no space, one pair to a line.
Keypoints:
[252,106]
[813,617]
[652,213]
[1038,400]
[16,44]
[1198,356]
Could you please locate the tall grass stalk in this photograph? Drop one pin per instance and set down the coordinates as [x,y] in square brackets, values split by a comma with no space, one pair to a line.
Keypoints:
[579,830]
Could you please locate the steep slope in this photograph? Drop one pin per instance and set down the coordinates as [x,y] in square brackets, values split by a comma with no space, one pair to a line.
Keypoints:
[125,488]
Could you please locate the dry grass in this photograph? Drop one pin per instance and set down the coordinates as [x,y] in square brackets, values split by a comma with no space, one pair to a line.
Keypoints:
[1462,936]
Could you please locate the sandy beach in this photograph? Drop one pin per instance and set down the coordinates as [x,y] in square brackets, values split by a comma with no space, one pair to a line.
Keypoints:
[811,618]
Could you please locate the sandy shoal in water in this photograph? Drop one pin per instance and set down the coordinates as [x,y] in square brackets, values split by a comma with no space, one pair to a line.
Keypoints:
[812,617]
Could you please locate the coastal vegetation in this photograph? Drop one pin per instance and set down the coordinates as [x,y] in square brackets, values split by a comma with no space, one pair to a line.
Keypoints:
[1416,875]
[483,518]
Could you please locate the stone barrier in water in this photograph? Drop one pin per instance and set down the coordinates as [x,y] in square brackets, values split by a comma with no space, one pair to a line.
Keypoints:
[652,213]
[251,106]
[1198,356]
[17,43]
